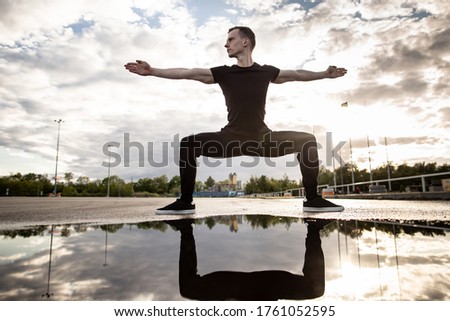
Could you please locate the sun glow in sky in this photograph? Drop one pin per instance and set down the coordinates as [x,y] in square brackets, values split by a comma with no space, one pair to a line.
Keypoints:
[64,60]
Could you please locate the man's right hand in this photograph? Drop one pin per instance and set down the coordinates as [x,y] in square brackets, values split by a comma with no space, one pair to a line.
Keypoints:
[139,67]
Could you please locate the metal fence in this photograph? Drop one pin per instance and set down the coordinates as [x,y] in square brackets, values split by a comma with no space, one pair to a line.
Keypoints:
[352,186]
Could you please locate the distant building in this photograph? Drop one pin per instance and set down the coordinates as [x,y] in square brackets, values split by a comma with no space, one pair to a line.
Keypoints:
[229,187]
[232,178]
[229,184]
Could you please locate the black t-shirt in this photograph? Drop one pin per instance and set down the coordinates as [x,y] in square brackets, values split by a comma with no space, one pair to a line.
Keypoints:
[245,90]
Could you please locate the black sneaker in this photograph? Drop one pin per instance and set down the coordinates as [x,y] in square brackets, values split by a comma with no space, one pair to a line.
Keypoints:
[177,207]
[181,225]
[319,223]
[320,205]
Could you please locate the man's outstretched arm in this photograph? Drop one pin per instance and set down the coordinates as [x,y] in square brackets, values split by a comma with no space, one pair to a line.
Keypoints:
[142,68]
[306,75]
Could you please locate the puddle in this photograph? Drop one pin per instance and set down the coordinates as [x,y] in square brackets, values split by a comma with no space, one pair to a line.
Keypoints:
[243,257]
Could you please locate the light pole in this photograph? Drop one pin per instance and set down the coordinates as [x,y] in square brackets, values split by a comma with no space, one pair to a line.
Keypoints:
[353,169]
[387,165]
[48,294]
[57,153]
[370,161]
[106,247]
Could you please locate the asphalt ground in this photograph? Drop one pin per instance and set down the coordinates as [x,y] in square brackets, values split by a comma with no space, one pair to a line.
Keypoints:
[118,249]
[16,212]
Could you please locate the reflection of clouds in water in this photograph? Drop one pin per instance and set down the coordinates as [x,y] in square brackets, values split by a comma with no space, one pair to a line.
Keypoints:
[19,248]
[259,249]
[407,267]
[136,268]
[11,258]
[81,289]
[141,263]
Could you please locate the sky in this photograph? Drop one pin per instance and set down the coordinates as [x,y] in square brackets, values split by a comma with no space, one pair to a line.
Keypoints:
[62,59]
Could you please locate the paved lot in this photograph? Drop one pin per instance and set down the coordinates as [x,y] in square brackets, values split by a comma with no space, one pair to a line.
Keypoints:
[20,211]
[365,259]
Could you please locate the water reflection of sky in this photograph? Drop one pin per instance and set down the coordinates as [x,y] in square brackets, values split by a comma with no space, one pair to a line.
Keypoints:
[363,260]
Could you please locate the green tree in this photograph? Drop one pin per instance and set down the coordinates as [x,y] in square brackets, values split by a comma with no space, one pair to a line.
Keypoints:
[162,184]
[209,182]
[116,184]
[69,190]
[325,176]
[285,183]
[68,177]
[251,186]
[175,185]
[199,186]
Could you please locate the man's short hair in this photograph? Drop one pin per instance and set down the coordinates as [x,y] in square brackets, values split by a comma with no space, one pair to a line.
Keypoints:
[246,32]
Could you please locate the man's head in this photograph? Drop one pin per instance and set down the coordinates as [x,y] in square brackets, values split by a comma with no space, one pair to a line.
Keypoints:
[246,32]
[240,38]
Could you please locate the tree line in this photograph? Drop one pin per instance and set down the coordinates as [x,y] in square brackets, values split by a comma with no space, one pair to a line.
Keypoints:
[343,175]
[354,229]
[31,184]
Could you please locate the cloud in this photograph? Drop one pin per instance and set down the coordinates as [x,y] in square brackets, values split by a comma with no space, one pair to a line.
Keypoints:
[62,59]
[445,115]
[424,140]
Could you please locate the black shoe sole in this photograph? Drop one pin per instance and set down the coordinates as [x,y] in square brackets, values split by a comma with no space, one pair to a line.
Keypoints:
[174,212]
[323,209]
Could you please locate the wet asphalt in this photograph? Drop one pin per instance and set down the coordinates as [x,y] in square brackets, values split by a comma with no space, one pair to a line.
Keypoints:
[28,211]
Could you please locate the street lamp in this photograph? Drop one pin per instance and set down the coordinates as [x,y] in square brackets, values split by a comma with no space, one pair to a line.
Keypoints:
[106,246]
[48,294]
[370,161]
[387,165]
[353,169]
[57,153]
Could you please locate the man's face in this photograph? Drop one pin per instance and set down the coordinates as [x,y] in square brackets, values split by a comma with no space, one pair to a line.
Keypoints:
[235,44]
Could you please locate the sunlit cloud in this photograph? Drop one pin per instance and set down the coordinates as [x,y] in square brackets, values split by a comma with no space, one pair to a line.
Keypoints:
[62,59]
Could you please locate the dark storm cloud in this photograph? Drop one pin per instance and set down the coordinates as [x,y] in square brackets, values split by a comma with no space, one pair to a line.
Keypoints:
[441,42]
[399,58]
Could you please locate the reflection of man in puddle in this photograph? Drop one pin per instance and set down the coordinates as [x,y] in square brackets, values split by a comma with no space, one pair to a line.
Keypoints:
[258,285]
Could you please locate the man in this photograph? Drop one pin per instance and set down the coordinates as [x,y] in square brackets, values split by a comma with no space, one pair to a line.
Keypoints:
[244,86]
[262,285]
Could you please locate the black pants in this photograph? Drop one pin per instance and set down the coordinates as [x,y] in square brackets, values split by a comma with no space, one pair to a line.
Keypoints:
[254,286]
[225,144]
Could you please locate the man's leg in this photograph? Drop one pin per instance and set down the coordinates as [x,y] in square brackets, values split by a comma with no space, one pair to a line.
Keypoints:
[314,265]
[258,285]
[189,151]
[280,143]
[215,144]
